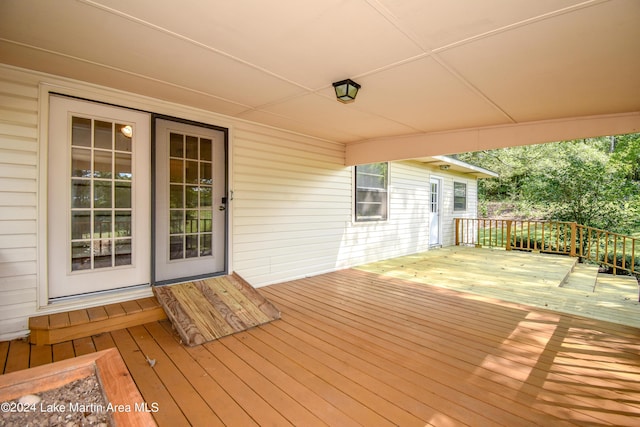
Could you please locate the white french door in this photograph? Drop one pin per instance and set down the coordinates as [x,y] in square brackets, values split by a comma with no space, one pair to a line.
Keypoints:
[434,214]
[98,207]
[190,204]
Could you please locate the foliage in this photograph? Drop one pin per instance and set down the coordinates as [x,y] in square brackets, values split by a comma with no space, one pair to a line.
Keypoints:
[594,182]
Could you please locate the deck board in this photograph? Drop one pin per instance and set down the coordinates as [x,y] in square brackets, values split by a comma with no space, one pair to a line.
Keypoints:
[359,348]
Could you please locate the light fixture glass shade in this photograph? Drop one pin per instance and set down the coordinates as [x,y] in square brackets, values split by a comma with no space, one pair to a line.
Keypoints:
[346,90]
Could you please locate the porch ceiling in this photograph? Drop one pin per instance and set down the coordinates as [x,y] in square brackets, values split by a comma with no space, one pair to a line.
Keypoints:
[427,69]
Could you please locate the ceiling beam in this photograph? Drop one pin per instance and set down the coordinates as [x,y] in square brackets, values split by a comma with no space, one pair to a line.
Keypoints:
[490,137]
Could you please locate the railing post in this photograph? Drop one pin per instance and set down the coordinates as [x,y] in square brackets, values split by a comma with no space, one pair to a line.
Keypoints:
[457,231]
[573,239]
[508,246]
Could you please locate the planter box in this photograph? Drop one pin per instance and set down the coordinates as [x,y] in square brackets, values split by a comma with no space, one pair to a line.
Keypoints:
[116,382]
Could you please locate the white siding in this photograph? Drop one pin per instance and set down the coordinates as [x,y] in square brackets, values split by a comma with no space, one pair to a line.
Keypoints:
[291,203]
[291,214]
[448,214]
[18,200]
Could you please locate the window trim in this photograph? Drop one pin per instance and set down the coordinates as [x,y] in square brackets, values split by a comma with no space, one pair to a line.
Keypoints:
[383,217]
[464,185]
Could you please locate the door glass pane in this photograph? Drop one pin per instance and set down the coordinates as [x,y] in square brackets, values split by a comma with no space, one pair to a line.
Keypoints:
[176,145]
[103,135]
[123,252]
[102,224]
[190,196]
[176,171]
[192,147]
[81,224]
[205,174]
[102,194]
[206,245]
[176,247]
[80,193]
[191,222]
[123,137]
[80,132]
[123,166]
[176,222]
[191,246]
[102,164]
[81,255]
[206,220]
[123,194]
[205,149]
[176,195]
[80,162]
[191,172]
[101,199]
[123,224]
[103,251]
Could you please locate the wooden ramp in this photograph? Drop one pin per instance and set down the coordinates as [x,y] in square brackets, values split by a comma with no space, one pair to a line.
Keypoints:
[208,309]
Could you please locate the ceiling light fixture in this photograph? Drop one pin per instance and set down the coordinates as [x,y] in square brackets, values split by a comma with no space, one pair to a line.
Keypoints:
[346,90]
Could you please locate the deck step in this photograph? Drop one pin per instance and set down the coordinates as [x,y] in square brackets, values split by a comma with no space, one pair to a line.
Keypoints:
[70,325]
[582,278]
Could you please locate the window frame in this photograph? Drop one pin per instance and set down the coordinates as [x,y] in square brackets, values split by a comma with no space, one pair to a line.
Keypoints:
[456,185]
[384,205]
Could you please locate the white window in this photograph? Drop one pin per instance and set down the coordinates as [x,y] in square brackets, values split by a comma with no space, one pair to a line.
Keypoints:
[459,196]
[372,182]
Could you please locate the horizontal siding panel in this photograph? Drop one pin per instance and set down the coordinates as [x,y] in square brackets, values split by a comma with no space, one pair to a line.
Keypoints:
[18,185]
[9,142]
[298,163]
[258,220]
[286,227]
[18,129]
[17,255]
[12,269]
[18,172]
[294,214]
[18,241]
[18,89]
[19,282]
[18,157]
[18,116]
[18,199]
[17,212]
[257,135]
[21,296]
[18,103]
[15,311]
[18,227]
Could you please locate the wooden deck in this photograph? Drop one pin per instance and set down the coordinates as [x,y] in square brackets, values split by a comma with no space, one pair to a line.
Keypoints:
[358,348]
[546,281]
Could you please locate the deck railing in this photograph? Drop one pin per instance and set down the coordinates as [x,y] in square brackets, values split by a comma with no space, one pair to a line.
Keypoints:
[616,251]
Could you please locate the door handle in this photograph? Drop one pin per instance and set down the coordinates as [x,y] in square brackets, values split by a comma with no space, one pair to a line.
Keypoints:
[222,208]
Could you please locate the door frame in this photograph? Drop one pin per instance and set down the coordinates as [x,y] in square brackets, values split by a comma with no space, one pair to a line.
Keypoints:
[154,154]
[440,183]
[52,85]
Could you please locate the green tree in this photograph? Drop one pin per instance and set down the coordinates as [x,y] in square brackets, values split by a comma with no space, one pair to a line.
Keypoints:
[594,181]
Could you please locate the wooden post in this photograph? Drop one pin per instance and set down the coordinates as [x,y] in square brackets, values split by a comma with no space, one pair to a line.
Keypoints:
[573,239]
[457,231]
[509,222]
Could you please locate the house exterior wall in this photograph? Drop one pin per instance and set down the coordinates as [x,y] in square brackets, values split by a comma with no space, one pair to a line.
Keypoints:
[291,213]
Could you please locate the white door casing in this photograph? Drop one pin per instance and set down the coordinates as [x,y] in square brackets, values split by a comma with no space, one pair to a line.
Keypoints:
[98,232]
